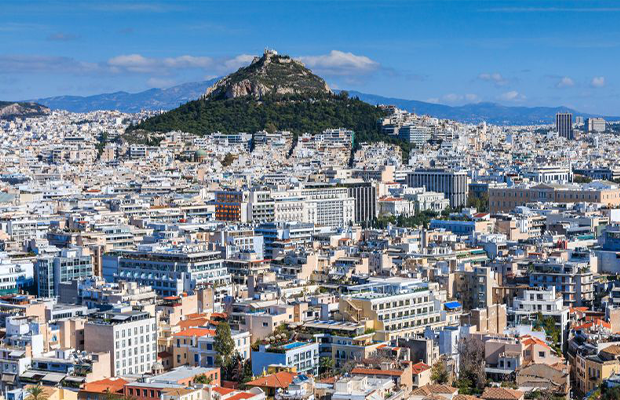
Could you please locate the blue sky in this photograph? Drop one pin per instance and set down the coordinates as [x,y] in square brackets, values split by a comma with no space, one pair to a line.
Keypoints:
[452,52]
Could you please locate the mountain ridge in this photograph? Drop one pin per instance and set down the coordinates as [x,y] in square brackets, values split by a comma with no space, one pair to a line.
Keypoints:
[167,99]
[151,99]
[490,112]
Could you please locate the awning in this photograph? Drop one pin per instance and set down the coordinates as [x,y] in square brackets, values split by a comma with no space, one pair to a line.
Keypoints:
[453,305]
[8,378]
[77,379]
[17,353]
[55,378]
[30,374]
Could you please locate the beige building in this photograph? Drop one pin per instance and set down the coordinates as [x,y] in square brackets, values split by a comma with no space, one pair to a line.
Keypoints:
[491,319]
[506,199]
[474,287]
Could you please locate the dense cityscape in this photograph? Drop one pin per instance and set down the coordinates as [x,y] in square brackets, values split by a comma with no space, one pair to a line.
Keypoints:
[278,238]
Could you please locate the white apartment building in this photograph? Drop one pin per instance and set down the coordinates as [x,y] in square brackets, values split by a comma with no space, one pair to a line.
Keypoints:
[548,174]
[129,336]
[171,270]
[329,206]
[14,276]
[547,302]
[398,307]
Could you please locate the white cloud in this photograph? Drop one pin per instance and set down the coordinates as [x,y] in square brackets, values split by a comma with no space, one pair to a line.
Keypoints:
[48,64]
[340,63]
[512,95]
[565,82]
[598,81]
[188,62]
[452,97]
[470,97]
[160,82]
[456,98]
[237,62]
[496,78]
[139,64]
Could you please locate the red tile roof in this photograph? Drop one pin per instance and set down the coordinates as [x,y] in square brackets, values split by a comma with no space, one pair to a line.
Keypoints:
[434,389]
[223,391]
[528,340]
[280,379]
[190,332]
[194,322]
[499,393]
[114,385]
[373,371]
[419,368]
[241,396]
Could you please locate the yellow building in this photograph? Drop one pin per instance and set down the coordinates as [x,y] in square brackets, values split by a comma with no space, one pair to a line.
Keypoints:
[592,370]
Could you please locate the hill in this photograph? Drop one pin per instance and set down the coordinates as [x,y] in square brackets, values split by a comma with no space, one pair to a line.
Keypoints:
[11,110]
[152,99]
[272,93]
[294,112]
[270,75]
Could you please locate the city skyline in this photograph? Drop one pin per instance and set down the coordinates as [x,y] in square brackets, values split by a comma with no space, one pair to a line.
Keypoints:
[512,53]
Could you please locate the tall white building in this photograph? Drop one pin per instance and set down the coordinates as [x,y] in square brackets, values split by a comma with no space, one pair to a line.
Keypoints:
[129,336]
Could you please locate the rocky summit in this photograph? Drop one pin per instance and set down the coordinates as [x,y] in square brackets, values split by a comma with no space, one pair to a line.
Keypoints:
[271,74]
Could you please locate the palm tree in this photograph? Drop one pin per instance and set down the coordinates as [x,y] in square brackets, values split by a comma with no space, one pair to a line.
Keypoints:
[36,393]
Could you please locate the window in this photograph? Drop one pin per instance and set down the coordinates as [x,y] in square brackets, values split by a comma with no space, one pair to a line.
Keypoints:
[541,354]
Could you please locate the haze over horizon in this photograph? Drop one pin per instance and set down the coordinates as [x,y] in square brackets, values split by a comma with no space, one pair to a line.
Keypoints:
[449,52]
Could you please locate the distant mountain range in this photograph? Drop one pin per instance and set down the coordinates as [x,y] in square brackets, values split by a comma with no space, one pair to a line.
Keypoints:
[477,112]
[168,99]
[152,99]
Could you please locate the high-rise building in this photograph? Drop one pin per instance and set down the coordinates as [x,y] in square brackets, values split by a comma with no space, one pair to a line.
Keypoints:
[365,195]
[453,184]
[564,125]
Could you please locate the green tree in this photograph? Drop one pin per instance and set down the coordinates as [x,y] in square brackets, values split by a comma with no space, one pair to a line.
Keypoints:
[224,345]
[326,365]
[552,331]
[229,158]
[36,393]
[203,379]
[439,373]
[247,372]
[472,375]
[480,203]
